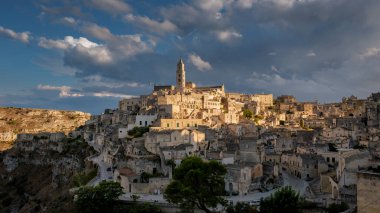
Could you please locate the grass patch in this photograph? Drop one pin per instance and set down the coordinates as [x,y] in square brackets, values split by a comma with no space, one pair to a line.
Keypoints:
[81,179]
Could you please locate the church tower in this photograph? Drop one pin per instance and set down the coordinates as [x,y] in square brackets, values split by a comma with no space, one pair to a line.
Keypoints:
[181,80]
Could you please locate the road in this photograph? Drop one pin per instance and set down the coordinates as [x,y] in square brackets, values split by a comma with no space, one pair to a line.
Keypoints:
[104,169]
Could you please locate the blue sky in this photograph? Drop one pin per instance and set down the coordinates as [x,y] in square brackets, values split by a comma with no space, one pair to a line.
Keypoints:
[87,54]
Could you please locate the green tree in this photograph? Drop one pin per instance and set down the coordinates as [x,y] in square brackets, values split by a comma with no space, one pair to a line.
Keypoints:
[284,200]
[336,208]
[241,207]
[247,113]
[137,132]
[332,147]
[99,198]
[197,184]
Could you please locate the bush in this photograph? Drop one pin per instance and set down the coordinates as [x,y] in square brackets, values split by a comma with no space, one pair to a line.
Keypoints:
[247,113]
[100,198]
[82,179]
[241,207]
[283,200]
[332,147]
[336,208]
[137,132]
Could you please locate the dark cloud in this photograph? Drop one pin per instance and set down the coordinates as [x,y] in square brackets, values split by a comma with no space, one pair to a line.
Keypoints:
[313,49]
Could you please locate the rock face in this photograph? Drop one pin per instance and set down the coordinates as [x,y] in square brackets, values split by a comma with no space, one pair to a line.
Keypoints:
[14,121]
[38,171]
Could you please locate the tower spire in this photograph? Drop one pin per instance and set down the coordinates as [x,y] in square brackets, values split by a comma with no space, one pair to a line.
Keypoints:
[181,78]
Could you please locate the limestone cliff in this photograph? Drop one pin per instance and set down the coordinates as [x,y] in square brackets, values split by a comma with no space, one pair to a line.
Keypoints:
[36,175]
[24,120]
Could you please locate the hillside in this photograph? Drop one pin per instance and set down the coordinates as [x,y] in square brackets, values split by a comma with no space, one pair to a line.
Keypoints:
[25,120]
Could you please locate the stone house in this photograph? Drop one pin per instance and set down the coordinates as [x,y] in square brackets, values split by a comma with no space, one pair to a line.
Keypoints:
[350,161]
[238,179]
[368,191]
[304,166]
[249,150]
[177,153]
[171,138]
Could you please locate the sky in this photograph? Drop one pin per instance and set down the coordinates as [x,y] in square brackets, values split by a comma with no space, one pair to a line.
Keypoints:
[88,54]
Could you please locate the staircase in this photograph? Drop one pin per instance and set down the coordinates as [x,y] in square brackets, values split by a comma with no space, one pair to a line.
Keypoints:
[315,187]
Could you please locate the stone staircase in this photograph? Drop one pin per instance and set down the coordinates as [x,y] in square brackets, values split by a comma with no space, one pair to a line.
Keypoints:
[315,186]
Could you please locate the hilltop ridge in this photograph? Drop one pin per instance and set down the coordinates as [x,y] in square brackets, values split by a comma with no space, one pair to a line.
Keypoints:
[14,121]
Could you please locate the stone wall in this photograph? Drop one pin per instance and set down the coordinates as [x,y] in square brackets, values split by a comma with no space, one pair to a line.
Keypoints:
[368,192]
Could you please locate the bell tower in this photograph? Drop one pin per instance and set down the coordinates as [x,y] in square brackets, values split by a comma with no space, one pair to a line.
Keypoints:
[181,79]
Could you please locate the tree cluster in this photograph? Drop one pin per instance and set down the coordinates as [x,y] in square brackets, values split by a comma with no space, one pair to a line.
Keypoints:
[197,184]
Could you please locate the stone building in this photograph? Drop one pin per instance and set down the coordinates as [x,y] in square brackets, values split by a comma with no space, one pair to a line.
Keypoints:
[368,191]
[304,166]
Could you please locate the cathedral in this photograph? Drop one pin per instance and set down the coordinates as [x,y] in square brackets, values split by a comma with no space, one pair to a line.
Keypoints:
[183,86]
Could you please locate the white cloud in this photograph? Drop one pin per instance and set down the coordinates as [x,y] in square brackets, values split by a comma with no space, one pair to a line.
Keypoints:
[64,91]
[227,35]
[311,53]
[199,63]
[24,37]
[110,94]
[67,42]
[152,25]
[121,46]
[70,21]
[98,32]
[210,5]
[274,68]
[81,46]
[111,6]
[272,53]
[370,52]
[244,4]
[99,81]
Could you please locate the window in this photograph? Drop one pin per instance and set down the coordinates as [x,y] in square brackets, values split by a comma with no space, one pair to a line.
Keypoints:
[146,123]
[333,160]
[167,125]
[140,123]
[328,159]
[177,125]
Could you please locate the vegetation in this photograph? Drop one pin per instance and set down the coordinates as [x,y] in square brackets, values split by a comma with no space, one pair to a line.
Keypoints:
[360,146]
[374,169]
[241,207]
[138,131]
[170,163]
[248,113]
[145,176]
[257,118]
[100,198]
[104,198]
[284,200]
[197,184]
[12,122]
[82,179]
[332,147]
[336,208]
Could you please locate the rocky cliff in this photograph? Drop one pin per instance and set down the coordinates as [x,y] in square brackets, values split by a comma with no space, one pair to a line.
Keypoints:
[24,120]
[36,175]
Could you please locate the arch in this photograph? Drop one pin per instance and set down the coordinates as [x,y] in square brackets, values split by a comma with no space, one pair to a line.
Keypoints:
[335,192]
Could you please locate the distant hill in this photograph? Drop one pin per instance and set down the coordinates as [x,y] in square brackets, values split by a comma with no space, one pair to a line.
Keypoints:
[25,120]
